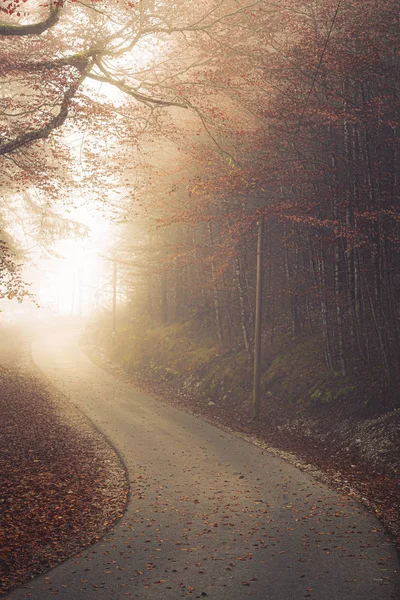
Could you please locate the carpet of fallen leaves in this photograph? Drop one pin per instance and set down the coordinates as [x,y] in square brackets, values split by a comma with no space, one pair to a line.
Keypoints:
[350,450]
[61,484]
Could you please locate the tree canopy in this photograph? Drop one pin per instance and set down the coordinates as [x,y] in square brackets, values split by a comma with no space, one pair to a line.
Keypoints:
[285,110]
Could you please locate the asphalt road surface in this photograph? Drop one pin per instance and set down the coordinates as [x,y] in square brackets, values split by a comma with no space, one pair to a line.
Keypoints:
[210,515]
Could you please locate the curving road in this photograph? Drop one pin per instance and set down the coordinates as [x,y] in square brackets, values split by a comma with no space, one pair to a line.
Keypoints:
[210,515]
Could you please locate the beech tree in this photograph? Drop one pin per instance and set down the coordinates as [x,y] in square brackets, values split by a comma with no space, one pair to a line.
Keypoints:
[293,117]
[308,137]
[54,56]
[53,48]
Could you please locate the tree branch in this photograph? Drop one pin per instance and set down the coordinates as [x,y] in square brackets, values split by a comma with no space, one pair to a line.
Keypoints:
[43,132]
[121,85]
[79,61]
[7,29]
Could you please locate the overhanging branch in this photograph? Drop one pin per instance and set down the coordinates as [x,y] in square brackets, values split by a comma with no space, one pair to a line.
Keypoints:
[43,132]
[7,29]
[121,85]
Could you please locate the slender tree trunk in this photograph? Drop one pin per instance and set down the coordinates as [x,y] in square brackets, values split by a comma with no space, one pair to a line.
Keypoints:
[150,308]
[258,324]
[114,305]
[324,312]
[217,308]
[348,243]
[164,298]
[337,259]
[178,292]
[243,315]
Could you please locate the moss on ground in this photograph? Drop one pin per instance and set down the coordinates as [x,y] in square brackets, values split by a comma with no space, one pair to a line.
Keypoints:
[293,370]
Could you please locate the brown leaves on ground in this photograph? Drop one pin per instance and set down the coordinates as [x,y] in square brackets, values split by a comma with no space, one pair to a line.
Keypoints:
[61,484]
[340,463]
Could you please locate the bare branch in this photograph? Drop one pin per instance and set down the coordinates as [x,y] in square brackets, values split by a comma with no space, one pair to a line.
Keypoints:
[121,85]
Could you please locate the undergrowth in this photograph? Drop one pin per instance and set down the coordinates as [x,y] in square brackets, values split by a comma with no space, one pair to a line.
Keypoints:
[294,372]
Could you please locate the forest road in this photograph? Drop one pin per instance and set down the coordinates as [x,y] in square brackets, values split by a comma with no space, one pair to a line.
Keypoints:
[210,515]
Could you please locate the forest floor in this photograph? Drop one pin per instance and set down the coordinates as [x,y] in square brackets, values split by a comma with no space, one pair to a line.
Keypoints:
[62,485]
[341,444]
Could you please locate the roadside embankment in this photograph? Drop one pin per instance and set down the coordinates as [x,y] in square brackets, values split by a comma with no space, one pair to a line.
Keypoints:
[62,485]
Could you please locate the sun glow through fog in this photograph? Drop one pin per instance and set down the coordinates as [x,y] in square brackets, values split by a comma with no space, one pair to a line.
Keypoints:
[71,282]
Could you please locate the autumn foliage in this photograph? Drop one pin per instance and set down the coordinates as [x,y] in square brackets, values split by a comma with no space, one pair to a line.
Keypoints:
[303,114]
[289,111]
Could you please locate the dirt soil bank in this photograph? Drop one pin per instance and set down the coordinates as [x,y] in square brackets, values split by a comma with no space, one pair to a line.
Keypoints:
[61,484]
[349,450]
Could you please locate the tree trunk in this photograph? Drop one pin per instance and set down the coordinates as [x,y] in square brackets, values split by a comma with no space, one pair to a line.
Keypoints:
[243,315]
[258,324]
[217,309]
[164,299]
